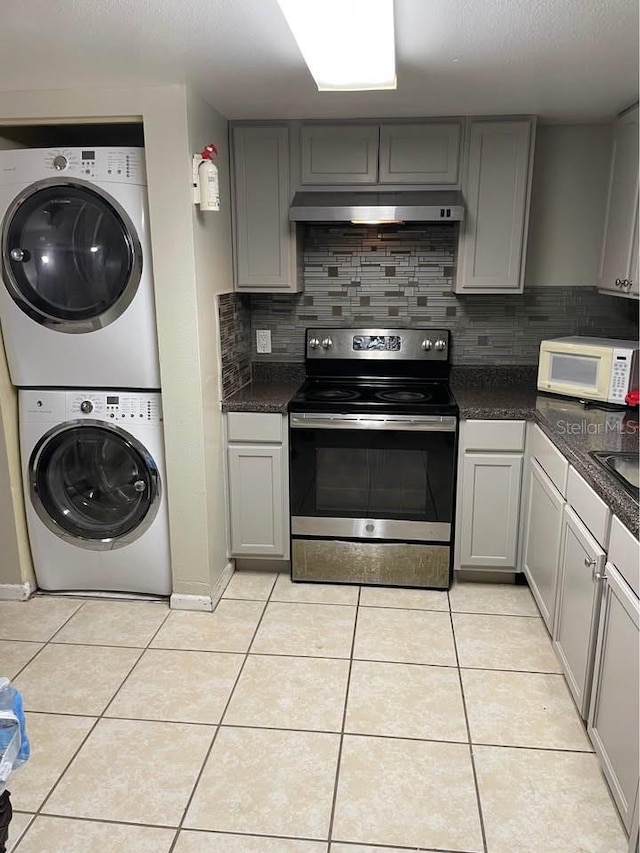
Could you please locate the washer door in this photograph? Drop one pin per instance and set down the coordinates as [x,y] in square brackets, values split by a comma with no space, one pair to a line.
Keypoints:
[94,485]
[71,258]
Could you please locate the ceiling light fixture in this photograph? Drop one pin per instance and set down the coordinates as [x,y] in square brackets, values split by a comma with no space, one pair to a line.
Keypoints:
[347,44]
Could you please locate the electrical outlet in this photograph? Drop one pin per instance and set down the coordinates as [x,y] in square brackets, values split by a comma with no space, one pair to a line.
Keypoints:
[263,340]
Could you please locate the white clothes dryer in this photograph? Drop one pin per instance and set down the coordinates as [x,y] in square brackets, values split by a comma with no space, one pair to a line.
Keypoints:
[76,301]
[95,496]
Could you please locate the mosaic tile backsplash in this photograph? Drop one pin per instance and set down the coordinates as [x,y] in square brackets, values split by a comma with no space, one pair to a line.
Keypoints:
[235,342]
[402,276]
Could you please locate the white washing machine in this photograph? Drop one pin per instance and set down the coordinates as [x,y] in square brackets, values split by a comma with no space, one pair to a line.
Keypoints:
[94,482]
[76,302]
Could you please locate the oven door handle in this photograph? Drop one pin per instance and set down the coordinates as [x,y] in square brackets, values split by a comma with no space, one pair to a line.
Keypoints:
[430,423]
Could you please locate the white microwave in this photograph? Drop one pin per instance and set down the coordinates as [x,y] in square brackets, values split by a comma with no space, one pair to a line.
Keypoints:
[592,368]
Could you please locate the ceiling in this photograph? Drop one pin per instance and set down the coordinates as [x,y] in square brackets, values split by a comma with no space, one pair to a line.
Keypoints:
[564,60]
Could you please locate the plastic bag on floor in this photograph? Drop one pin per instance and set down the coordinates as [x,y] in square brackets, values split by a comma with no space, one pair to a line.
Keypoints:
[14,743]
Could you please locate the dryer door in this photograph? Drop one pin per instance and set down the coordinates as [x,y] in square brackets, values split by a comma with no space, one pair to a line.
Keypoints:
[70,256]
[94,485]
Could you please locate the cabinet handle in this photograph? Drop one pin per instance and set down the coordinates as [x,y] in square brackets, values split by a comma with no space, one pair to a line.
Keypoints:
[600,576]
[618,282]
[589,563]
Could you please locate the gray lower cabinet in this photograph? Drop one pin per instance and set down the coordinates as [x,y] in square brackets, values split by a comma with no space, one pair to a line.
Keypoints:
[619,259]
[497,189]
[614,712]
[257,463]
[256,496]
[577,606]
[542,540]
[489,510]
[265,247]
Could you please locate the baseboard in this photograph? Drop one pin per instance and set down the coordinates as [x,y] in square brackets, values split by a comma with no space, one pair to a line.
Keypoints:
[485,575]
[222,582]
[183,601]
[15,591]
[180,601]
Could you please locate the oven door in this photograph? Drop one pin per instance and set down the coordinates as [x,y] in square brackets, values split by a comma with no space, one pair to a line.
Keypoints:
[372,498]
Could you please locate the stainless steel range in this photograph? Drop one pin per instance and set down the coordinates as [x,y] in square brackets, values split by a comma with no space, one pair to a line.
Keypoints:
[373,443]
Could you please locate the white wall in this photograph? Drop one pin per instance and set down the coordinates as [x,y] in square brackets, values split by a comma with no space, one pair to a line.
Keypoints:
[568,197]
[185,252]
[214,275]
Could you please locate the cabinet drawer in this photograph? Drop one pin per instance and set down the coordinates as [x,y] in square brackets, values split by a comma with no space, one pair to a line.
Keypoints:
[494,435]
[592,509]
[255,426]
[550,459]
[624,553]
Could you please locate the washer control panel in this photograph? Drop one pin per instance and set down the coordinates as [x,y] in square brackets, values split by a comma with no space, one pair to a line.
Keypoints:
[121,407]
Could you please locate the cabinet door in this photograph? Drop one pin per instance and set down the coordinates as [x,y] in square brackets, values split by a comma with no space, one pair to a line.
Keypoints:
[577,606]
[497,191]
[259,519]
[542,540]
[621,223]
[265,244]
[490,509]
[339,154]
[614,712]
[419,153]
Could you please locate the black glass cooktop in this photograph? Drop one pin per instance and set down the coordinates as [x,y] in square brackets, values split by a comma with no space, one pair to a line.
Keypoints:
[384,396]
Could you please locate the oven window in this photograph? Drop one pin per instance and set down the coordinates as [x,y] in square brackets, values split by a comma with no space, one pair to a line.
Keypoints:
[372,474]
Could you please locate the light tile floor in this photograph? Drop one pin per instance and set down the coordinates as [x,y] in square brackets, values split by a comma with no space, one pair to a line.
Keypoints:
[301,719]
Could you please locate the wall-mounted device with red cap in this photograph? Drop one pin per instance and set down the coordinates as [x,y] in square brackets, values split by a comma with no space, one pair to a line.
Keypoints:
[206,188]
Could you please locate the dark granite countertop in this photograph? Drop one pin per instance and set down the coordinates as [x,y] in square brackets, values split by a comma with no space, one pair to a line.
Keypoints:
[504,394]
[262,396]
[574,429]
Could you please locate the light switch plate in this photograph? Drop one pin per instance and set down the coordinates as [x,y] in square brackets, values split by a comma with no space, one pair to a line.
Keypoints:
[263,340]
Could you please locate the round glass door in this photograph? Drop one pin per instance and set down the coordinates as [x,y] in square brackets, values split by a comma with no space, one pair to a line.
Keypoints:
[70,255]
[94,483]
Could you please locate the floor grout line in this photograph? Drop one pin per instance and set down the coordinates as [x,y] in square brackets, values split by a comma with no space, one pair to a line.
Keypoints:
[218,727]
[342,728]
[471,755]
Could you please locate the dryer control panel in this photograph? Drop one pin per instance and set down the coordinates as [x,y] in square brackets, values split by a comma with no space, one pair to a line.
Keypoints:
[114,164]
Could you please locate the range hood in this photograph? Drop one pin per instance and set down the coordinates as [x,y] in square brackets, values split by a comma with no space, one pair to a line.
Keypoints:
[377,207]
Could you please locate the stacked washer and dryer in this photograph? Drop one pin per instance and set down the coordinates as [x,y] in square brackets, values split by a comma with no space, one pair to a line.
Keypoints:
[78,321]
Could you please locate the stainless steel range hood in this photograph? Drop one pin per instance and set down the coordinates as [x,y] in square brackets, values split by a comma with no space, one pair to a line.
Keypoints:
[377,207]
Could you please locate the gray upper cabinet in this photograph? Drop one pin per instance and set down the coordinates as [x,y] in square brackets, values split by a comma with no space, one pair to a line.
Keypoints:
[265,240]
[420,153]
[619,259]
[497,189]
[339,154]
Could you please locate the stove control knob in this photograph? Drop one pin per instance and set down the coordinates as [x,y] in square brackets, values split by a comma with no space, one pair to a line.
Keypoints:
[327,343]
[440,345]
[86,406]
[314,343]
[426,344]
